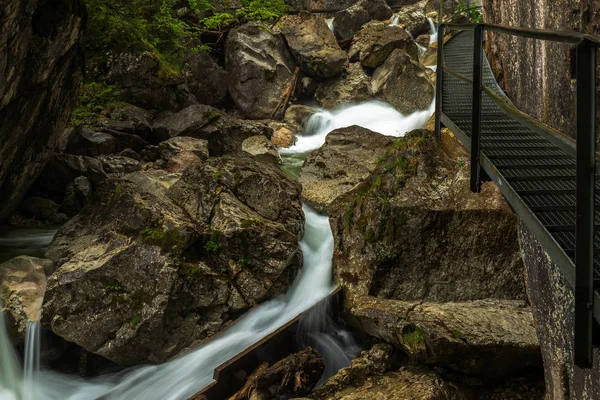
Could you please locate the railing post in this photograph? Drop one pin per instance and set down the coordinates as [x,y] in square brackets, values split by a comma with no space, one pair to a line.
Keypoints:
[438,82]
[476,109]
[584,239]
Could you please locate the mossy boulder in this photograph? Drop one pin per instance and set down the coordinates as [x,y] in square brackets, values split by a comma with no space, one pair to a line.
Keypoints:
[157,261]
[349,21]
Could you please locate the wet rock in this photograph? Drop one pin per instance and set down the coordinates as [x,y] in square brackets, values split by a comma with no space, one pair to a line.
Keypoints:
[313,45]
[429,58]
[86,142]
[350,20]
[41,64]
[150,153]
[306,88]
[423,41]
[354,86]
[23,284]
[486,338]
[172,147]
[130,154]
[260,69]
[40,208]
[413,20]
[295,375]
[119,165]
[77,195]
[139,81]
[200,247]
[404,83]
[414,231]
[182,161]
[299,114]
[374,43]
[128,118]
[348,157]
[373,375]
[283,134]
[206,80]
[261,148]
[224,133]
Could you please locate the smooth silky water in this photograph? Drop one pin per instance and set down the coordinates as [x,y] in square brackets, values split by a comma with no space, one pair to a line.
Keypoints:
[188,374]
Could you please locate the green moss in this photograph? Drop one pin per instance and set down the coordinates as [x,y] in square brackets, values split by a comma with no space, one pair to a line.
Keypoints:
[118,190]
[93,99]
[170,240]
[135,321]
[114,287]
[212,247]
[457,334]
[370,236]
[414,338]
[212,116]
[217,176]
[245,261]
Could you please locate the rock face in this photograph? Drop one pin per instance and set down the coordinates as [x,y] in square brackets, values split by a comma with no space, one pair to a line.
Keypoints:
[23,284]
[41,66]
[552,300]
[199,250]
[404,82]
[354,86]
[260,69]
[530,86]
[348,157]
[413,20]
[413,231]
[489,338]
[373,44]
[207,81]
[313,45]
[349,21]
[261,148]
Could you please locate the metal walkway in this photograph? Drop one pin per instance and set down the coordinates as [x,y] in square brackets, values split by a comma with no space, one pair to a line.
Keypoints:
[535,167]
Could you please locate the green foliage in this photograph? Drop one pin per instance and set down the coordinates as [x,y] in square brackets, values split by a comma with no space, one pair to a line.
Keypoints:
[245,261]
[414,338]
[263,10]
[473,13]
[114,287]
[152,234]
[457,333]
[92,101]
[135,321]
[212,247]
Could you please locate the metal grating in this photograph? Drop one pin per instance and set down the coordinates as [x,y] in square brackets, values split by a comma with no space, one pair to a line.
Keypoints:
[539,172]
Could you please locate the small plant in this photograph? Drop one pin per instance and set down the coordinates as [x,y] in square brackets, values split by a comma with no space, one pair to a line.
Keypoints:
[457,334]
[135,321]
[414,338]
[461,163]
[113,288]
[245,261]
[217,176]
[472,12]
[212,247]
[152,235]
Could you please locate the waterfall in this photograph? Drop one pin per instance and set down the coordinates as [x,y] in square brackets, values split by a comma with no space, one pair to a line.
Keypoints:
[395,21]
[432,31]
[32,361]
[330,24]
[188,374]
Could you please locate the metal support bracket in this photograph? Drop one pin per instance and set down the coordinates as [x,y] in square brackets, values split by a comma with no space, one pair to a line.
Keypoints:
[438,81]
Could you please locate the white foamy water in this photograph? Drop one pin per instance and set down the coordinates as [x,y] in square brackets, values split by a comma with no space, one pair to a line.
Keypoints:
[432,31]
[330,24]
[374,115]
[395,21]
[32,361]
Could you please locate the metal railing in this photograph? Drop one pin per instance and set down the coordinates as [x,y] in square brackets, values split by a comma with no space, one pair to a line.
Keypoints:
[583,150]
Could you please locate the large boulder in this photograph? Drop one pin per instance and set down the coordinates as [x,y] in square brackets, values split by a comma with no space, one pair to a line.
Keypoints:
[140,80]
[170,148]
[374,43]
[413,20]
[206,80]
[485,338]
[318,5]
[261,148]
[348,157]
[22,288]
[404,82]
[260,69]
[313,45]
[414,231]
[224,133]
[85,142]
[353,86]
[349,21]
[40,71]
[200,248]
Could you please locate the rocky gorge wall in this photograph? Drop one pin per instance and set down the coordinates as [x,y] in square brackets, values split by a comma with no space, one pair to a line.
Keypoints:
[40,64]
[539,76]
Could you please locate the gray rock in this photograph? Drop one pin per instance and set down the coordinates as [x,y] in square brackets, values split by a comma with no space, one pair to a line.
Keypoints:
[404,83]
[413,19]
[200,248]
[261,148]
[374,43]
[41,64]
[86,142]
[313,45]
[260,69]
[350,20]
[354,86]
[172,147]
[185,122]
[40,208]
[205,78]
[119,165]
[298,115]
[62,169]
[77,195]
[128,118]
[348,157]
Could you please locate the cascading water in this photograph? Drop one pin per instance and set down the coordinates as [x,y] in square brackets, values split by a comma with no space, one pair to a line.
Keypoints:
[432,31]
[330,24]
[395,21]
[31,361]
[186,375]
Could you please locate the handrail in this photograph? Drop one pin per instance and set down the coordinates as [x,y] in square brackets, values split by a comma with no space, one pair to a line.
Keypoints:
[531,33]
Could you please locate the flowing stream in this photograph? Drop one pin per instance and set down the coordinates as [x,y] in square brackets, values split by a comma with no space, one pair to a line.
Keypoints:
[186,375]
